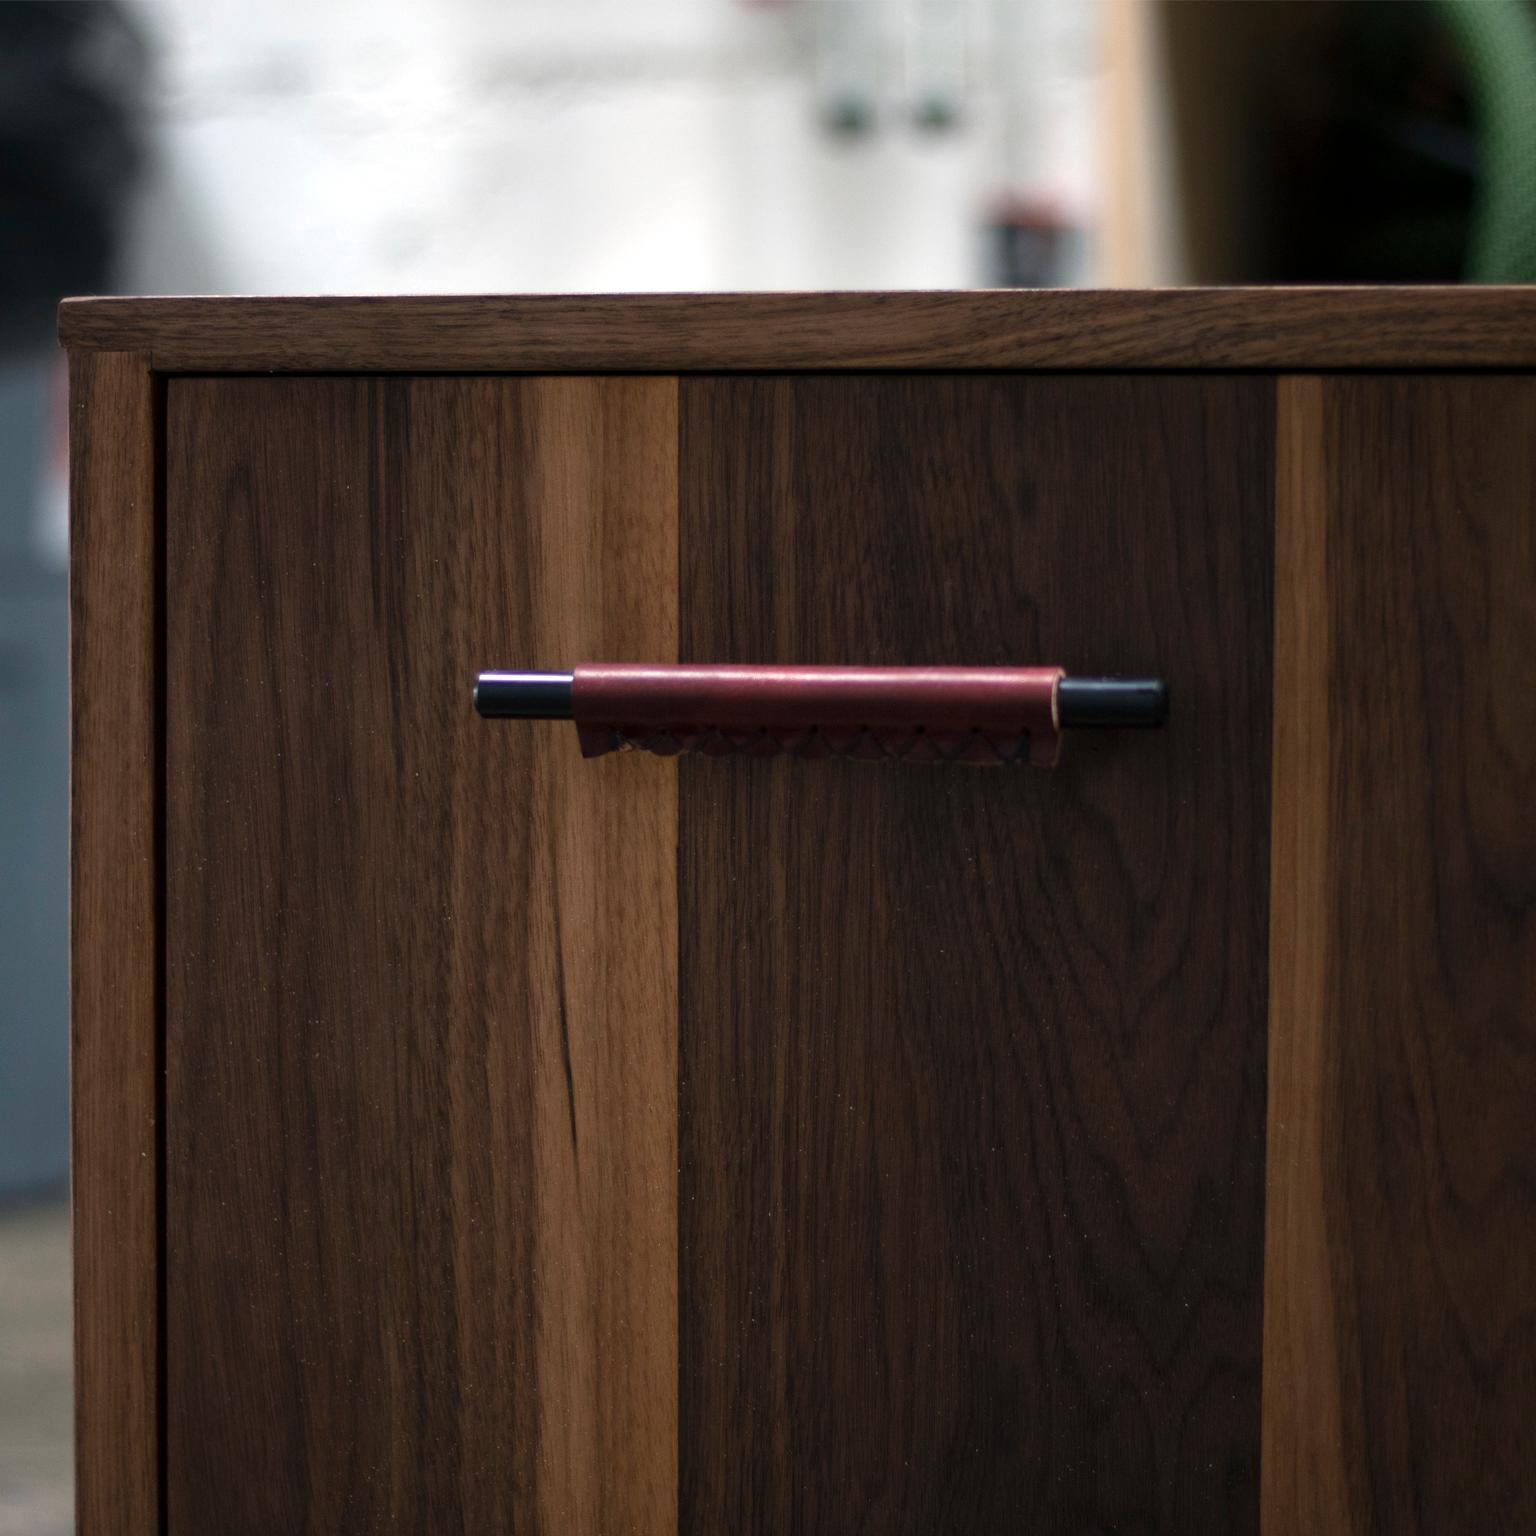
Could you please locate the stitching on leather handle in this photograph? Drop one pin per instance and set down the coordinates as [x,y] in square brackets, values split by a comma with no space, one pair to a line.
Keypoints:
[974,747]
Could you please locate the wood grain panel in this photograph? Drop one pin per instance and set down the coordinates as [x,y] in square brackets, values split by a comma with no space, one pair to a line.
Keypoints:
[1124,329]
[972,1063]
[115,873]
[1402,1141]
[421,1023]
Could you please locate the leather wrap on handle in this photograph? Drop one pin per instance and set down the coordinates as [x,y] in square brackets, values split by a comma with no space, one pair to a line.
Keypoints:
[984,715]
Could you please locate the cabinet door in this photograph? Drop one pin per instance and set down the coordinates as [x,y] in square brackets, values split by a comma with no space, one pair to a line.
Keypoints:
[762,1146]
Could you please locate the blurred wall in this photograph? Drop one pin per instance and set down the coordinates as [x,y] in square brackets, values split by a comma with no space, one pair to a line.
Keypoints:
[69,148]
[683,144]
[34,792]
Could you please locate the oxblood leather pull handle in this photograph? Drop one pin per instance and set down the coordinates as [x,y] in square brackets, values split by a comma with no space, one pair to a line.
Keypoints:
[913,714]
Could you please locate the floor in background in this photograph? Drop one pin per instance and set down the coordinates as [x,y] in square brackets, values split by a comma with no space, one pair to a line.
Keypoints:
[36,1410]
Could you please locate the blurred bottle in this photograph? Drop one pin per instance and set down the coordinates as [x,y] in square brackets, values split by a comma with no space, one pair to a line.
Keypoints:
[1031,243]
[1034,237]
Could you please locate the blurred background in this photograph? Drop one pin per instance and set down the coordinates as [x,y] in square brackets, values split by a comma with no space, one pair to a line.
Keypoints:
[209,146]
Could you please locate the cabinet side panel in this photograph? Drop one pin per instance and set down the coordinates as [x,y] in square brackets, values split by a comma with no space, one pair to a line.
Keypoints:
[1401,1375]
[421,1022]
[972,1062]
[115,872]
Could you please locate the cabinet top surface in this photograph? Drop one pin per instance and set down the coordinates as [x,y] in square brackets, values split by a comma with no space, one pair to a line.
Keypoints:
[1287,328]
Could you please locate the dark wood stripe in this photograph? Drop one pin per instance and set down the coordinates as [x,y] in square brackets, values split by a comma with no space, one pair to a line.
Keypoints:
[421,1022]
[972,1062]
[1400,1347]
[115,875]
[1125,329]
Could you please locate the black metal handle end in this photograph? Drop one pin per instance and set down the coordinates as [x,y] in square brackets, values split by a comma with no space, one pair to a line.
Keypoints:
[524,695]
[1136,702]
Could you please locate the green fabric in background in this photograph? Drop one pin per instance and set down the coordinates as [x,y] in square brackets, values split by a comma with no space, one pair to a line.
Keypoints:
[1497,39]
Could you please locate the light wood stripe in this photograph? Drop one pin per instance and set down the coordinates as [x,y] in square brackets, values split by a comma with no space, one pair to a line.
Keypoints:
[1302,1474]
[604,476]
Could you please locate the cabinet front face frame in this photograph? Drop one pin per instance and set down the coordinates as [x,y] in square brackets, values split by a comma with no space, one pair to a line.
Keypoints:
[466,1133]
